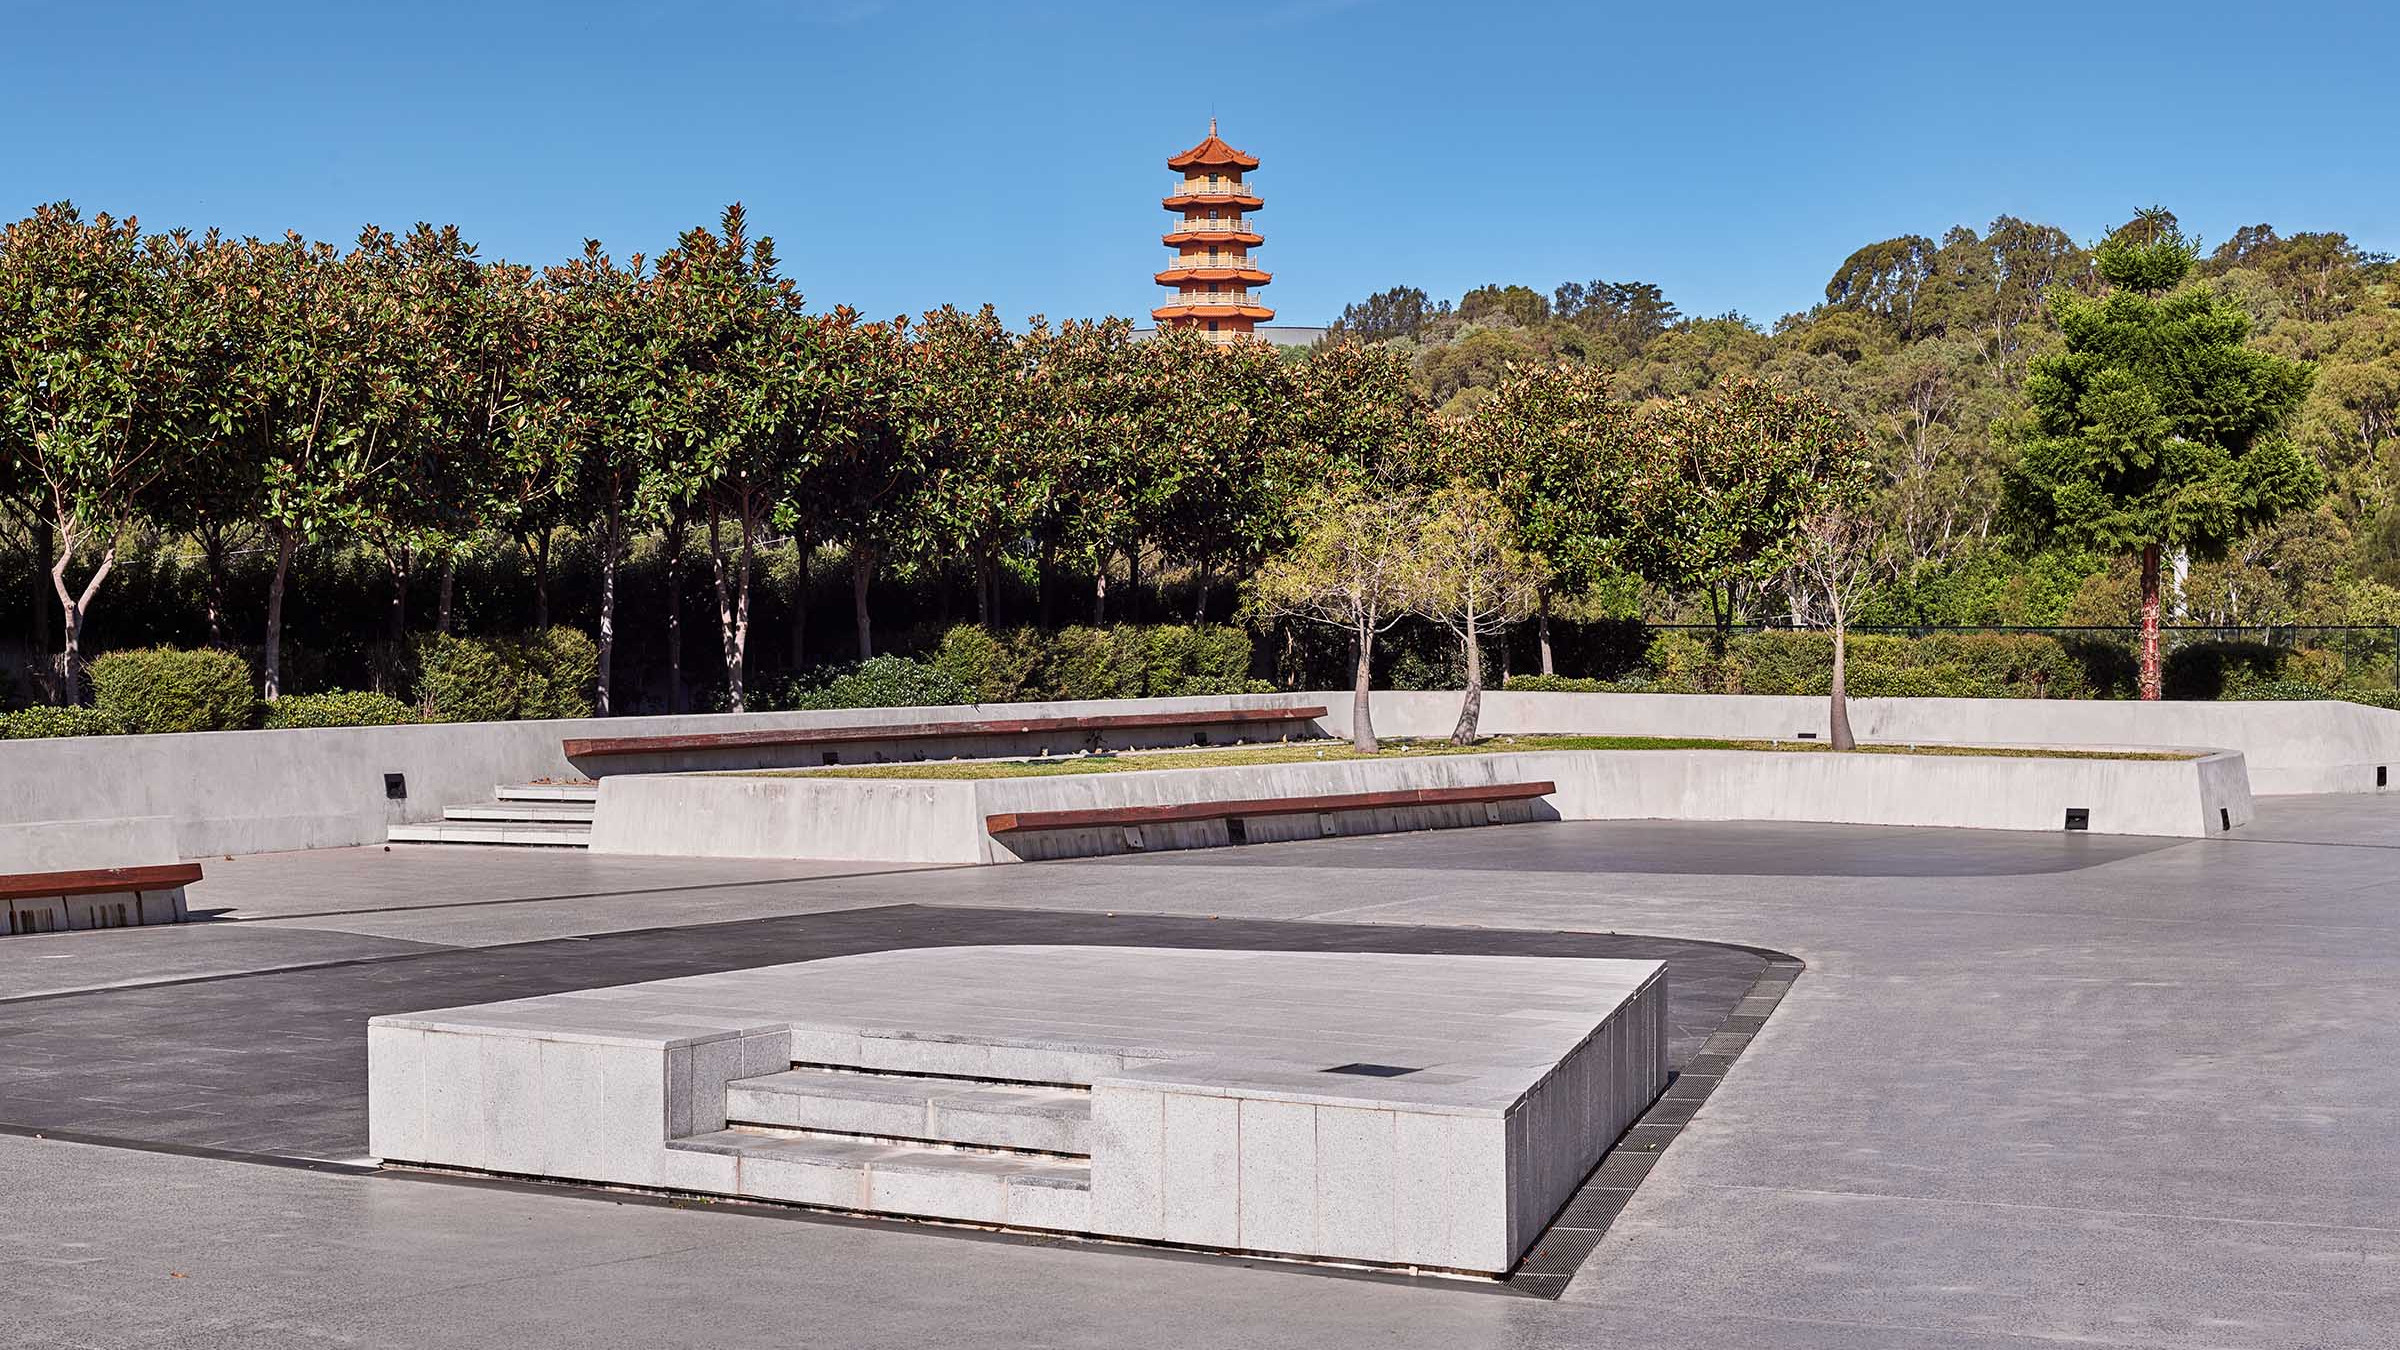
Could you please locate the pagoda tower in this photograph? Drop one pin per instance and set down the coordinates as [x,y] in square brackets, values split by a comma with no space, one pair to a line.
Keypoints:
[1214,276]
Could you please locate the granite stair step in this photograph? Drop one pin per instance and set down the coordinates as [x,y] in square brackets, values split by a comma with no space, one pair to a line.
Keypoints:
[917,1182]
[547,792]
[938,1110]
[551,834]
[533,811]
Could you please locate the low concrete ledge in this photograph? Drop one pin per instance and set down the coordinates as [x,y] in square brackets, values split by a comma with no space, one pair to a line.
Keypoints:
[948,820]
[1422,1111]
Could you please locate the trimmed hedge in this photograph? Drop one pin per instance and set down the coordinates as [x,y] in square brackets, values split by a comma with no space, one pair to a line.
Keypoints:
[155,689]
[879,682]
[1938,665]
[1162,661]
[33,723]
[338,708]
[550,674]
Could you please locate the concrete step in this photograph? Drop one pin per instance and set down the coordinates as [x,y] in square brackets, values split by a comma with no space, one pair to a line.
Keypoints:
[536,811]
[547,792]
[926,1183]
[552,834]
[937,1110]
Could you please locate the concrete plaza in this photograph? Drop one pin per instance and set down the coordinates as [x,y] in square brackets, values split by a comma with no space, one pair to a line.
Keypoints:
[2030,1089]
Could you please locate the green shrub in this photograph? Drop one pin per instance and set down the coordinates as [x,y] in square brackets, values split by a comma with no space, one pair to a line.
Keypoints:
[1126,661]
[36,722]
[992,667]
[562,669]
[1569,684]
[462,679]
[338,708]
[2210,670]
[879,682]
[1080,662]
[155,689]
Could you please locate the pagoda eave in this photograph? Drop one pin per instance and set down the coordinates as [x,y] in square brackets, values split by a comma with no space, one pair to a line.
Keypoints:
[1178,276]
[1178,238]
[1254,313]
[1181,200]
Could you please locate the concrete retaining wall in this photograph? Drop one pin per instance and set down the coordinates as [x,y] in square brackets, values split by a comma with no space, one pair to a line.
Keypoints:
[262,791]
[901,820]
[2288,747]
[257,791]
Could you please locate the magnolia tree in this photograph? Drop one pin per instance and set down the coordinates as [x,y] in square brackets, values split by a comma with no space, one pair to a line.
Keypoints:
[1719,484]
[92,368]
[1552,444]
[1355,568]
[1471,577]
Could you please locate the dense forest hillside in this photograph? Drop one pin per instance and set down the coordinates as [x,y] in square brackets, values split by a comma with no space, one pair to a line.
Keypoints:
[1927,344]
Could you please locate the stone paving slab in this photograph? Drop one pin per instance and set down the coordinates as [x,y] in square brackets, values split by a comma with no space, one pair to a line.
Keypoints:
[275,1062]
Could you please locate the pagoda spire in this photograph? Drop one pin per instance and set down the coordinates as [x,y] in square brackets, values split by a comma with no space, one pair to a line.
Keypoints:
[1214,276]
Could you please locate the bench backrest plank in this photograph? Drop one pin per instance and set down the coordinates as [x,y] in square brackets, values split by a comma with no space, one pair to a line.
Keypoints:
[1172,812]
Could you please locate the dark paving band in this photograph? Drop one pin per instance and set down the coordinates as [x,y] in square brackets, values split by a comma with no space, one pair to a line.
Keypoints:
[271,1066]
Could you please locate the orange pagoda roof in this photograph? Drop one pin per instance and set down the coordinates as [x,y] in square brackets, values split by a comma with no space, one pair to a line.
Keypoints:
[1212,151]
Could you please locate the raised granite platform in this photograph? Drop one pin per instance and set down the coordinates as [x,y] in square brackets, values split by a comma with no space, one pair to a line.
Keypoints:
[1421,1111]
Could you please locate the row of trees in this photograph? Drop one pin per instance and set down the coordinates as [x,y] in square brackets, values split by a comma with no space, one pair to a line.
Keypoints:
[404,398]
[1930,345]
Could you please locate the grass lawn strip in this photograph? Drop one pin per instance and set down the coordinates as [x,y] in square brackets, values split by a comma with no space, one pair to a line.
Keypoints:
[1307,752]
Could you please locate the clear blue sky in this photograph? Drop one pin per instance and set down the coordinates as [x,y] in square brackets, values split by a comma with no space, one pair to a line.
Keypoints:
[905,153]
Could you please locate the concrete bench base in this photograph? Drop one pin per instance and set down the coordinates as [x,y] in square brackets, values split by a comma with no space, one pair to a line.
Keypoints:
[1423,1111]
[950,820]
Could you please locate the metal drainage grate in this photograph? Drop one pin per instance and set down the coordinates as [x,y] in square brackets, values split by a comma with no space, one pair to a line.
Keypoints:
[1370,1070]
[2079,818]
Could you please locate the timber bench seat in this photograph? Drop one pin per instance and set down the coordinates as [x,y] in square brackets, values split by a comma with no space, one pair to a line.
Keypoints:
[97,897]
[804,737]
[1171,813]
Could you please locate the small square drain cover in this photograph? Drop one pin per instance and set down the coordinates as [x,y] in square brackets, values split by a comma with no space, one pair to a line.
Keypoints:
[1370,1070]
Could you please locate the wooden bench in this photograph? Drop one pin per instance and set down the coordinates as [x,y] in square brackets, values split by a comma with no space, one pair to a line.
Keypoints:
[22,895]
[600,747]
[1178,812]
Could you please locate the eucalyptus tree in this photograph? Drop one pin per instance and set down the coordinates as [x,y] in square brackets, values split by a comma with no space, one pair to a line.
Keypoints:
[93,365]
[2155,428]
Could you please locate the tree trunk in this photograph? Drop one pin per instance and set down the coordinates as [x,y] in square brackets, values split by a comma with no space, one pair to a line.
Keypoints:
[983,587]
[1541,630]
[1133,582]
[1200,593]
[2152,689]
[1362,721]
[1100,591]
[74,607]
[443,599]
[541,579]
[270,684]
[603,702]
[1840,712]
[212,558]
[43,540]
[1470,708]
[862,571]
[1044,585]
[387,674]
[799,635]
[731,577]
[677,696]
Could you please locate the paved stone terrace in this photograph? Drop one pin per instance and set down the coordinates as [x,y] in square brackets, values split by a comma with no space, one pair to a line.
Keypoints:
[2032,1090]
